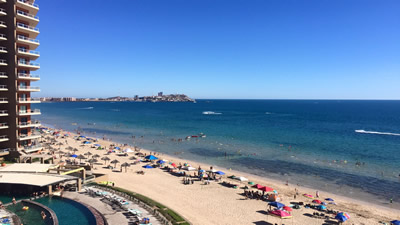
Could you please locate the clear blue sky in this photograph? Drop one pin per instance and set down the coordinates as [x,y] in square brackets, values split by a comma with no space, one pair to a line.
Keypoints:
[297,49]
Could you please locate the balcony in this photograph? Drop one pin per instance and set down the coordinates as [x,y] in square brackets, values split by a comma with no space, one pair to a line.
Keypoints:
[3,113]
[3,12]
[3,37]
[32,31]
[29,65]
[3,100]
[28,5]
[3,126]
[33,55]
[28,100]
[29,149]
[28,88]
[3,138]
[25,76]
[24,137]
[3,24]
[3,62]
[33,20]
[32,43]
[3,50]
[3,88]
[31,112]
[3,75]
[29,124]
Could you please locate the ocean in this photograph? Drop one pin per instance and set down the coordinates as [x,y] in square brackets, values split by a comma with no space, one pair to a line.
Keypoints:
[346,147]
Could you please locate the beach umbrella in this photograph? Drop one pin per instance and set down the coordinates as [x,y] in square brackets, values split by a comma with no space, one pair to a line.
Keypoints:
[308,196]
[220,173]
[82,136]
[97,145]
[105,159]
[281,214]
[212,171]
[241,179]
[395,222]
[128,150]
[115,162]
[174,165]
[189,168]
[125,165]
[203,175]
[317,201]
[95,156]
[88,153]
[148,167]
[60,153]
[80,157]
[266,189]
[258,186]
[75,150]
[329,199]
[342,216]
[74,156]
[69,148]
[160,161]
[321,207]
[118,148]
[202,171]
[287,208]
[132,158]
[151,157]
[276,204]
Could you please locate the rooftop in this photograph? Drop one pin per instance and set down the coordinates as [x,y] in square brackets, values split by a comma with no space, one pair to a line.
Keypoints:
[26,167]
[39,180]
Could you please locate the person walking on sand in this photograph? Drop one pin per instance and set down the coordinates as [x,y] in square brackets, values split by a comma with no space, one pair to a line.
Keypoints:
[317,194]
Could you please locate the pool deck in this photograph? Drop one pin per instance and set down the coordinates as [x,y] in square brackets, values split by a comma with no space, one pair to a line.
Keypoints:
[113,214]
[14,218]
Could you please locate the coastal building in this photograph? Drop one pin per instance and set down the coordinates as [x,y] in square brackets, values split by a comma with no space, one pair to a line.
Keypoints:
[18,41]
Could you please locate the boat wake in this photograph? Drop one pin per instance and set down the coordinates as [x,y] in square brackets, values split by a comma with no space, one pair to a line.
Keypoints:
[211,113]
[87,108]
[376,132]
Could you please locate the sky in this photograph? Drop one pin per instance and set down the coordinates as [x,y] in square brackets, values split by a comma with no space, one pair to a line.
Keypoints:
[229,49]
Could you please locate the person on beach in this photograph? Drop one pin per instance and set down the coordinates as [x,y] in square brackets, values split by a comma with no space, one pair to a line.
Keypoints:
[14,201]
[317,194]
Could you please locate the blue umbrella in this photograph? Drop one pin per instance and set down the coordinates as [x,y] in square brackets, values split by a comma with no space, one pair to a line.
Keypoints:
[97,145]
[395,222]
[202,171]
[148,167]
[341,217]
[151,157]
[220,173]
[74,156]
[161,161]
[118,148]
[329,199]
[276,204]
[321,207]
[82,136]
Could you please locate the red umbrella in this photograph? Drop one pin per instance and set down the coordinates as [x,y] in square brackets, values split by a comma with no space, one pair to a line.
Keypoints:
[266,189]
[174,165]
[287,208]
[258,186]
[316,201]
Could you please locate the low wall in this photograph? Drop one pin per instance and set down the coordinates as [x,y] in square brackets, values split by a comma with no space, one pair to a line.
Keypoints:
[50,214]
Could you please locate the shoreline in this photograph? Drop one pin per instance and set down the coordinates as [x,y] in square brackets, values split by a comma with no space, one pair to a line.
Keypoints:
[286,191]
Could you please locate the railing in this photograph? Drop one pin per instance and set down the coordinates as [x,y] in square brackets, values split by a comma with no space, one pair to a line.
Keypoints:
[3,36]
[28,99]
[28,63]
[28,51]
[27,14]
[3,75]
[3,124]
[28,123]
[29,3]
[4,49]
[33,135]
[25,75]
[20,37]
[27,27]
[3,86]
[3,111]
[28,88]
[3,11]
[3,136]
[2,23]
[31,147]
[29,111]
[2,61]
[3,99]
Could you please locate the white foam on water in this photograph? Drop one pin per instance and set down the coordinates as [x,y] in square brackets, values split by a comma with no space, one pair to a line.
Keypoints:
[376,132]
[87,108]
[211,113]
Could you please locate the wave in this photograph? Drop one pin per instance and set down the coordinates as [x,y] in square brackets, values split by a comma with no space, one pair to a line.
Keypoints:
[115,110]
[211,113]
[269,113]
[87,108]
[376,132]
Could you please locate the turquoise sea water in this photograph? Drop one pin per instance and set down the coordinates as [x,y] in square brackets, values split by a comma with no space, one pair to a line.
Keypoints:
[311,142]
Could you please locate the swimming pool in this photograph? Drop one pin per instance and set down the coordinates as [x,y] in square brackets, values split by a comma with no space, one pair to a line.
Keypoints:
[29,217]
[68,212]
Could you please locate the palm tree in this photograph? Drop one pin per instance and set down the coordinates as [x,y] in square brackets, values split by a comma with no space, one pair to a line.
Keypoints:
[115,162]
[105,159]
[125,165]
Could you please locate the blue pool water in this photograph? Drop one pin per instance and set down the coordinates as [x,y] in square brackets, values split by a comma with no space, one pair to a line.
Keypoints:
[31,216]
[68,212]
[346,147]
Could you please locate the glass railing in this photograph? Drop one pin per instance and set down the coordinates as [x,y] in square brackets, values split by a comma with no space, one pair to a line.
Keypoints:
[31,147]
[20,37]
[3,111]
[3,49]
[3,136]
[27,27]
[3,11]
[29,111]
[3,36]
[26,14]
[25,75]
[3,124]
[2,23]
[28,63]
[2,61]
[3,74]
[29,3]
[33,135]
[29,99]
[28,88]
[3,86]
[29,123]
[3,99]
[28,51]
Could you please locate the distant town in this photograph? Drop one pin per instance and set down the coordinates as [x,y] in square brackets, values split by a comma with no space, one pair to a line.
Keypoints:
[160,97]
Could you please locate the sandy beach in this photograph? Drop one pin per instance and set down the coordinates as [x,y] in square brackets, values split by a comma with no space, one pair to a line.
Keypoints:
[217,204]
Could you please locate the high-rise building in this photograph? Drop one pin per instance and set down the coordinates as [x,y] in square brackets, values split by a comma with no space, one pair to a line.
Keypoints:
[18,41]
[160,94]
